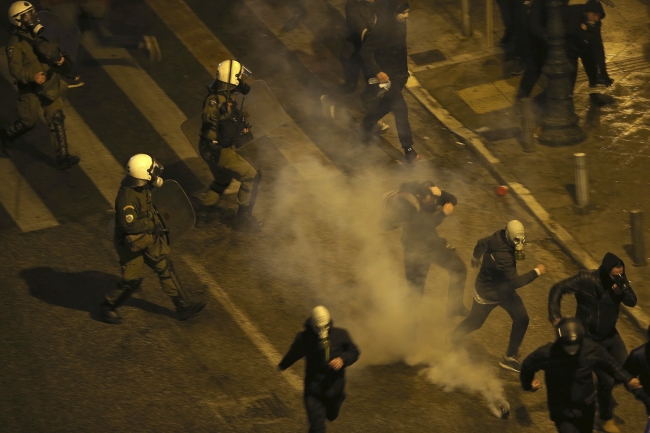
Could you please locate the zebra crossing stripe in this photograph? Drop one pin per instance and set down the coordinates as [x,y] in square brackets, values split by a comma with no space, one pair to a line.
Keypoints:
[291,141]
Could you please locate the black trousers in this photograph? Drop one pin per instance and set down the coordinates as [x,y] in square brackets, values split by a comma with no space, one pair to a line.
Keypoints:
[581,424]
[480,312]
[533,70]
[351,68]
[615,347]
[417,264]
[393,100]
[320,408]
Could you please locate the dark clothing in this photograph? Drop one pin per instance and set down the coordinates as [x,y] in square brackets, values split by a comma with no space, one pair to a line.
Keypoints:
[513,305]
[393,101]
[582,421]
[497,279]
[615,346]
[320,379]
[324,387]
[637,365]
[586,45]
[421,242]
[384,50]
[598,306]
[569,381]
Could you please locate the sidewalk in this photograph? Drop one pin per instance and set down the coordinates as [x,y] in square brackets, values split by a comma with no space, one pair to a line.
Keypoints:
[473,96]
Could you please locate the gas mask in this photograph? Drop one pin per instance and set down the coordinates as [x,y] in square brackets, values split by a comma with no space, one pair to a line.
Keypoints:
[320,324]
[515,234]
[155,171]
[31,22]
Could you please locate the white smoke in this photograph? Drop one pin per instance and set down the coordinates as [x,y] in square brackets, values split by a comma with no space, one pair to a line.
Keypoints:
[337,250]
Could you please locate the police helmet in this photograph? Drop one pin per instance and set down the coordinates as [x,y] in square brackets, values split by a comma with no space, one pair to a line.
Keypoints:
[143,168]
[18,9]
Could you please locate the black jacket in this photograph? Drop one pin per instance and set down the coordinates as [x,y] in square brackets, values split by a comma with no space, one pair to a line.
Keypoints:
[638,366]
[359,15]
[320,379]
[498,279]
[569,379]
[384,50]
[598,306]
[578,39]
[418,223]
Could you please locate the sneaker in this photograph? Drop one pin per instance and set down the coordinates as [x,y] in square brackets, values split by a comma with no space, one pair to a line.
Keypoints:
[329,109]
[383,126]
[76,82]
[510,363]
[609,426]
[411,155]
[151,44]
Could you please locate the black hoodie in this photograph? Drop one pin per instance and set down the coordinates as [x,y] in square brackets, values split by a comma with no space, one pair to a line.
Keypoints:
[598,306]
[498,279]
[321,379]
[384,50]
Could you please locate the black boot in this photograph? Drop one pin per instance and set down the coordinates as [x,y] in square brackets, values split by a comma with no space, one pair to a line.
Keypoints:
[246,221]
[8,135]
[186,309]
[109,312]
[57,129]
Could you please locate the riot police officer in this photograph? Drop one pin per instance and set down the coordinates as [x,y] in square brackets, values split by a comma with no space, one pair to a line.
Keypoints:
[140,238]
[38,77]
[224,130]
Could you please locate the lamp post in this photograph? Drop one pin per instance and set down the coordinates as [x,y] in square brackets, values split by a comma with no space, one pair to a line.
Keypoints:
[560,123]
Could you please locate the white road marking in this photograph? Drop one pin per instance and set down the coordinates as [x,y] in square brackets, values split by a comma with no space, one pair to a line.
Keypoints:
[246,325]
[292,142]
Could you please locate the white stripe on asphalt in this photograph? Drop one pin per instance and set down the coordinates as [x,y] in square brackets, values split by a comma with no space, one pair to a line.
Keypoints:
[292,142]
[21,202]
[249,328]
[161,112]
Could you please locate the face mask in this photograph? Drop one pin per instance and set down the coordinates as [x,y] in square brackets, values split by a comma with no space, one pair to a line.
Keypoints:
[33,23]
[320,322]
[571,349]
[515,234]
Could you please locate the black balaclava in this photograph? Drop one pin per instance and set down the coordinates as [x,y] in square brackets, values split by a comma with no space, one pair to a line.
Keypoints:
[610,261]
[596,7]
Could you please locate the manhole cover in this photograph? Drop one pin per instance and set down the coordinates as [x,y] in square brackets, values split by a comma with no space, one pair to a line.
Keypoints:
[251,410]
[427,57]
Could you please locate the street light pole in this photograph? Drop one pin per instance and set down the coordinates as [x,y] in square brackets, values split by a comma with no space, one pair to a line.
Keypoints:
[560,123]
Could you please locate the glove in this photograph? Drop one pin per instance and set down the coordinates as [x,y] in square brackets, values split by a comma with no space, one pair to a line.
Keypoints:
[476,262]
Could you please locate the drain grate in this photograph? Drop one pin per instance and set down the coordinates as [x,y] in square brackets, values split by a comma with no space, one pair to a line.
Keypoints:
[428,57]
[251,410]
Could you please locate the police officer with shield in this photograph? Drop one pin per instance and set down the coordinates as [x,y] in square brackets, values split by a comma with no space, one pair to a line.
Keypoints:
[37,66]
[224,130]
[140,238]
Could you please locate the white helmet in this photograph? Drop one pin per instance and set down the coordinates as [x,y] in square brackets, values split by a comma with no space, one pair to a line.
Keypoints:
[18,9]
[231,71]
[145,169]
[515,234]
[320,321]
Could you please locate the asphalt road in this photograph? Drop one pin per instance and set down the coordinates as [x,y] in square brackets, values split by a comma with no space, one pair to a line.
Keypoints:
[65,371]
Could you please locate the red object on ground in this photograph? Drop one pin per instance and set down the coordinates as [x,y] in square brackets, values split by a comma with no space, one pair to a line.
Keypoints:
[502,190]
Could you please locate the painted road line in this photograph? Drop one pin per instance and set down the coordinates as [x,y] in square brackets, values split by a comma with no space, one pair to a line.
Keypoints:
[154,104]
[246,325]
[291,141]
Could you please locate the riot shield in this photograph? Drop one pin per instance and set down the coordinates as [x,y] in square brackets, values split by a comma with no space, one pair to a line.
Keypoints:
[260,108]
[63,33]
[175,209]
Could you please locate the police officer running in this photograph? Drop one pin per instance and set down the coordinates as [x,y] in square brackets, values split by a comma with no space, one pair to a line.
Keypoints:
[38,76]
[569,364]
[140,238]
[224,130]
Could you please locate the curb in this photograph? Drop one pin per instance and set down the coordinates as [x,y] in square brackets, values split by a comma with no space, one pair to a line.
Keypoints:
[557,233]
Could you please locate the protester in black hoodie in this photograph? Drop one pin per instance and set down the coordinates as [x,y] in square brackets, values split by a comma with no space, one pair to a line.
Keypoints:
[496,285]
[569,364]
[384,56]
[599,294]
[419,208]
[328,351]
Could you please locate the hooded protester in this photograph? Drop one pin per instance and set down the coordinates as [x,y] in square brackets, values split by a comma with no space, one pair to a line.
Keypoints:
[419,208]
[496,285]
[599,294]
[569,363]
[384,56]
[329,351]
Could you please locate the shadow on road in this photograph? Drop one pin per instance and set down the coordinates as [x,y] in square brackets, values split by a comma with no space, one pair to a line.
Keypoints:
[82,291]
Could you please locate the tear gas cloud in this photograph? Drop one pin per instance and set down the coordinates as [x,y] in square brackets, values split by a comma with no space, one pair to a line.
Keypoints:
[337,249]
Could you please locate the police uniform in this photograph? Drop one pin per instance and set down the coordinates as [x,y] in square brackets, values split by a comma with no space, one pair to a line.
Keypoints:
[24,64]
[222,133]
[140,238]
